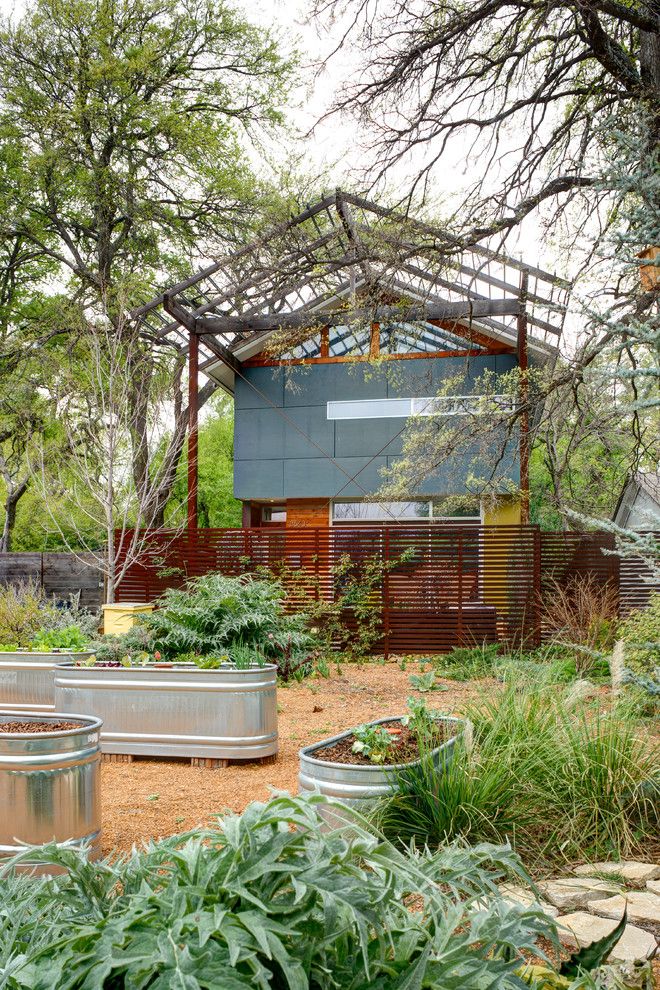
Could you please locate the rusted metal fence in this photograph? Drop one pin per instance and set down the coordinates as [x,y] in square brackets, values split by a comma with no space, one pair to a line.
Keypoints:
[437,587]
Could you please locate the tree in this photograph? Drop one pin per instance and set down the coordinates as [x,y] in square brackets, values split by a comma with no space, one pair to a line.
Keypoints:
[527,89]
[132,118]
[90,493]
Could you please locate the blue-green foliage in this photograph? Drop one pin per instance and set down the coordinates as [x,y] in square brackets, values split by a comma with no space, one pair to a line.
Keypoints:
[269,901]
[216,614]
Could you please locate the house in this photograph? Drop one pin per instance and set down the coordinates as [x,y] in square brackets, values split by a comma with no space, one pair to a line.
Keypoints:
[378,318]
[639,504]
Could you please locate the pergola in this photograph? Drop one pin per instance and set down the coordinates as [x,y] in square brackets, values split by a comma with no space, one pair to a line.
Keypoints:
[344,259]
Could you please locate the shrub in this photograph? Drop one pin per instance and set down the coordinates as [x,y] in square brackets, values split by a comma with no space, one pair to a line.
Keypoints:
[560,785]
[270,901]
[216,614]
[641,637]
[581,612]
[21,613]
[136,645]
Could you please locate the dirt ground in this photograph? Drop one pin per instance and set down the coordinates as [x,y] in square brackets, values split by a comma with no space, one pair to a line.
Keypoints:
[154,798]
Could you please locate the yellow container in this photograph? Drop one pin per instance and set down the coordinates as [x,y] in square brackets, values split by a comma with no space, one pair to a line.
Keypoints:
[122,616]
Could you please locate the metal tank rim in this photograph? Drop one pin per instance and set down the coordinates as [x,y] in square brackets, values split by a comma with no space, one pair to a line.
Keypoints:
[306,753]
[89,723]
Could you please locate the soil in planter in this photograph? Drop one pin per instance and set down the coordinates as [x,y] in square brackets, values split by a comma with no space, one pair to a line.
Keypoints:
[39,726]
[404,749]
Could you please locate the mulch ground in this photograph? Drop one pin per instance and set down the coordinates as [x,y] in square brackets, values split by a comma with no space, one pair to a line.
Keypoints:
[155,798]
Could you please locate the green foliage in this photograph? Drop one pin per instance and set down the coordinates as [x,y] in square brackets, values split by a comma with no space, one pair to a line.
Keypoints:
[70,638]
[21,613]
[269,900]
[352,621]
[468,663]
[424,682]
[372,741]
[641,636]
[419,719]
[562,785]
[216,614]
[136,645]
[216,504]
[590,957]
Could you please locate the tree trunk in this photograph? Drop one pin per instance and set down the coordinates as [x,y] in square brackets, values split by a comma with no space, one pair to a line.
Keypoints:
[14,496]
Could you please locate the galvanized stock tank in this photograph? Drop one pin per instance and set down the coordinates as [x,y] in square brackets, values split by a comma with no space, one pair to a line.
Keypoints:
[26,679]
[361,787]
[50,784]
[177,710]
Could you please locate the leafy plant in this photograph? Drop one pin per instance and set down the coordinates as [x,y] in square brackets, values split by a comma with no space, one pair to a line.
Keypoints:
[216,615]
[419,719]
[423,682]
[136,645]
[372,741]
[640,633]
[268,900]
[69,638]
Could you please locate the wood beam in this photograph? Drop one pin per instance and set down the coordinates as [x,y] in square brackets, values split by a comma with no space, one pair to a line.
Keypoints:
[470,309]
[524,399]
[193,400]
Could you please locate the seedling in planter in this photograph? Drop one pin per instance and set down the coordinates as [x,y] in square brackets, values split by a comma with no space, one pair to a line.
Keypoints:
[373,741]
[419,719]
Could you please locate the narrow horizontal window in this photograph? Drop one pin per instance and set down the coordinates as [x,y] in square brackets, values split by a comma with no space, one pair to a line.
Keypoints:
[379,511]
[443,405]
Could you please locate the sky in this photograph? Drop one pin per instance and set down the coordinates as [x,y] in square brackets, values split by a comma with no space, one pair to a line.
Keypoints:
[335,148]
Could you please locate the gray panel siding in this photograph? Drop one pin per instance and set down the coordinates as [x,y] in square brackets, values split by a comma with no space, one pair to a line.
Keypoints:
[274,458]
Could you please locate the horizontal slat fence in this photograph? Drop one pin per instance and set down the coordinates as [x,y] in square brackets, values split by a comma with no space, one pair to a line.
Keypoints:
[439,587]
[59,574]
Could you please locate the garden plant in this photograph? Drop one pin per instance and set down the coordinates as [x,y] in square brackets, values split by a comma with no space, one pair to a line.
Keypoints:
[562,783]
[267,900]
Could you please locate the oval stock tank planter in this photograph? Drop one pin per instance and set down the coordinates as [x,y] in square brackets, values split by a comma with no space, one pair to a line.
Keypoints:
[361,787]
[180,710]
[26,679]
[49,784]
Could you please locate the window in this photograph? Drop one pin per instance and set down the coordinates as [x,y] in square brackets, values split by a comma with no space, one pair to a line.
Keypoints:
[369,408]
[419,338]
[273,514]
[460,508]
[379,511]
[347,341]
[456,507]
[305,349]
[443,405]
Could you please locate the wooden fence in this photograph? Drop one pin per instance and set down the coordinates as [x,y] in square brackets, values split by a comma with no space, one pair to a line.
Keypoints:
[440,587]
[59,574]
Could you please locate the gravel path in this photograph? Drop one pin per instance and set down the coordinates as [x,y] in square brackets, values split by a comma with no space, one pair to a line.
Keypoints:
[153,798]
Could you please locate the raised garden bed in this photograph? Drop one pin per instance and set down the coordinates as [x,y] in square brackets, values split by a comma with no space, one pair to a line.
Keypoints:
[49,781]
[331,768]
[176,710]
[26,678]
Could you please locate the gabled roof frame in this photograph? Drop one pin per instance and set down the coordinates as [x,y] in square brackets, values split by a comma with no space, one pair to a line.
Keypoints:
[313,266]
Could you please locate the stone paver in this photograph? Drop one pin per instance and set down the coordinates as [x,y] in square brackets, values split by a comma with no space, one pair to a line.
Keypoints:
[573,894]
[653,886]
[643,906]
[520,895]
[631,870]
[584,928]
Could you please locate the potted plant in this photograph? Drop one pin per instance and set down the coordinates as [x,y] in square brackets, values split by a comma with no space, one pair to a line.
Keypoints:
[364,764]
[35,632]
[197,678]
[49,781]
